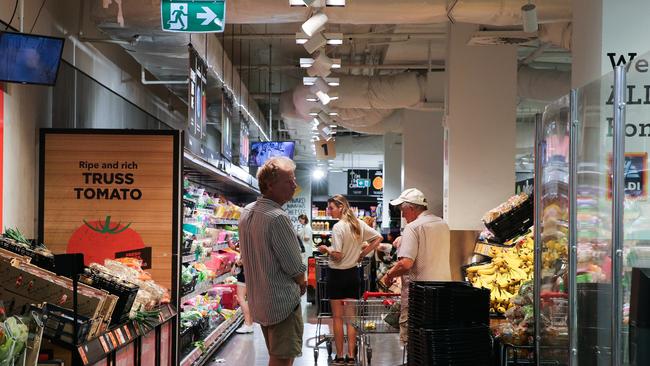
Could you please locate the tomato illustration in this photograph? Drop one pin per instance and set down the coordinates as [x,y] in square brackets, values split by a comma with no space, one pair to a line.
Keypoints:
[99,240]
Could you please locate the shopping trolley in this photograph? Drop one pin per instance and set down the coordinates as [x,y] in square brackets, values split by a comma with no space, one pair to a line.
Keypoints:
[372,314]
[324,310]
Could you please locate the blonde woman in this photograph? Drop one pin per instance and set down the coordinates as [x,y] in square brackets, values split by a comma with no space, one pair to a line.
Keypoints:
[344,282]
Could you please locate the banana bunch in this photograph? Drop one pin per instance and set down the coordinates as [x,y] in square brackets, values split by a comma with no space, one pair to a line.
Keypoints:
[552,250]
[509,268]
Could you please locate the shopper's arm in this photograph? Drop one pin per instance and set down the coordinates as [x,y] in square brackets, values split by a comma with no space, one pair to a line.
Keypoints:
[335,255]
[375,243]
[403,266]
[334,251]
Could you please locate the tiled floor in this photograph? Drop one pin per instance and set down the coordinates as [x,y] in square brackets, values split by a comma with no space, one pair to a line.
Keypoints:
[250,350]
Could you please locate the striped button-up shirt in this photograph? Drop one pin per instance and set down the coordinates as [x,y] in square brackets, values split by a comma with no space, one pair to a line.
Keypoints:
[271,256]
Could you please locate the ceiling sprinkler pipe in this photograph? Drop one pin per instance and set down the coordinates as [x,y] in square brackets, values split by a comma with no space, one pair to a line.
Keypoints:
[143,79]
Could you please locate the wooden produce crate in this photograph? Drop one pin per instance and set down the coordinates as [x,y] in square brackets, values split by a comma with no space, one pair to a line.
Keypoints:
[39,285]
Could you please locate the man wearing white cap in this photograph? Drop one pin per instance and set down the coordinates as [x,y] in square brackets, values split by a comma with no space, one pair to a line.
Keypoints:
[424,250]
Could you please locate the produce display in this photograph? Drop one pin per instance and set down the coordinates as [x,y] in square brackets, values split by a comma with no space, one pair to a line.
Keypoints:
[510,267]
[209,251]
[13,338]
[519,329]
[150,294]
[505,207]
[14,241]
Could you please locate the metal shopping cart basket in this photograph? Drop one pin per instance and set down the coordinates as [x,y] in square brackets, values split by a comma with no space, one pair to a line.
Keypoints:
[368,316]
[324,310]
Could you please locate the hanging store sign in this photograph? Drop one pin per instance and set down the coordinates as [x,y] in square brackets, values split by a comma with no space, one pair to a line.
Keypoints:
[636,176]
[358,182]
[197,108]
[196,16]
[325,150]
[226,128]
[376,178]
[111,194]
[244,144]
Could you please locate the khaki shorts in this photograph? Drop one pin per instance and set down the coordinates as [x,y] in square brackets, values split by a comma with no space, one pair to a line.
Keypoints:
[403,323]
[284,340]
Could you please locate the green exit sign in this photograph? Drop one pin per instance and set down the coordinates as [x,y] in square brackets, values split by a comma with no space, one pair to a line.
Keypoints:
[198,16]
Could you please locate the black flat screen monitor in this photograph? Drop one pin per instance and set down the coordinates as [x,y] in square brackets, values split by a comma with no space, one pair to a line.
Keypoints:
[29,59]
[262,151]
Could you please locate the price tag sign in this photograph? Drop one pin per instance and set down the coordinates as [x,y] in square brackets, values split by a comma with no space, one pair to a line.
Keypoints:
[325,150]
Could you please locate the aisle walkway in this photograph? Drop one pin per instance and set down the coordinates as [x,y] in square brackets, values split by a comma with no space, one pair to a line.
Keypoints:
[250,350]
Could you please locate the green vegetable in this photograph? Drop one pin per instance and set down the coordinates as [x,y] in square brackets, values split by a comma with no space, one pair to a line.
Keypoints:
[16,235]
[200,345]
[186,276]
[147,319]
[16,334]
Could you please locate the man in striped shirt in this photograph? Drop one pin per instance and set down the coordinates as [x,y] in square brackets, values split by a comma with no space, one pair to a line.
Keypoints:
[275,274]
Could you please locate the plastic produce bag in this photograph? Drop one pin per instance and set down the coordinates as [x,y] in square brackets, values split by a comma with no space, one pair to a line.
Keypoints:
[12,341]
[392,318]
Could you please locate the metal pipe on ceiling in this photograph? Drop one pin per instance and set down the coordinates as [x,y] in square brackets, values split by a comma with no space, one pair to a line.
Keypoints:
[347,36]
[348,67]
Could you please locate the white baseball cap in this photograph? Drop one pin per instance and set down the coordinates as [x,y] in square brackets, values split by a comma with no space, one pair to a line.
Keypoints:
[411,195]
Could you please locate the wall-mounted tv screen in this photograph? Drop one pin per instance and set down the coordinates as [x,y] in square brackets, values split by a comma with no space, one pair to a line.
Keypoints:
[261,151]
[29,59]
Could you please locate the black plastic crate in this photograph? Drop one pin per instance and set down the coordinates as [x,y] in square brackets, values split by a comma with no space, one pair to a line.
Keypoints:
[186,246]
[189,287]
[447,304]
[58,324]
[514,222]
[187,338]
[454,346]
[125,291]
[201,327]
[37,258]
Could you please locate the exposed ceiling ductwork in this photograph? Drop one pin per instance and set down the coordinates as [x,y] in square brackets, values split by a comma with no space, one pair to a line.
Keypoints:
[488,12]
[373,105]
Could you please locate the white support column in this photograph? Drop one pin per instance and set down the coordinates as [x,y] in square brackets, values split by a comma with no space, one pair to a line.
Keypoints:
[392,173]
[422,159]
[481,116]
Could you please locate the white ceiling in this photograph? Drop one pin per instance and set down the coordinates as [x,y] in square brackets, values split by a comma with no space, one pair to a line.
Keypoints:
[253,46]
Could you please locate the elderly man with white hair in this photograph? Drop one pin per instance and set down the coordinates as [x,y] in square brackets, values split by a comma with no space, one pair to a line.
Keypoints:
[275,274]
[423,253]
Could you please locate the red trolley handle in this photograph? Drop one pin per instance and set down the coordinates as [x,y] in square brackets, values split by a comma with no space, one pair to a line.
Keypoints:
[368,294]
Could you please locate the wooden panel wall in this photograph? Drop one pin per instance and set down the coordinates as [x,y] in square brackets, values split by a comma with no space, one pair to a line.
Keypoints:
[145,200]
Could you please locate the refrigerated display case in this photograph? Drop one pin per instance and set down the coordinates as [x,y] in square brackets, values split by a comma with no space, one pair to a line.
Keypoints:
[552,232]
[633,274]
[592,224]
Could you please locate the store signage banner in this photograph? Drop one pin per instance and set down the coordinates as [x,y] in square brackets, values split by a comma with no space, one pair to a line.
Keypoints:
[111,194]
[244,144]
[358,182]
[376,178]
[226,128]
[636,176]
[325,150]
[197,108]
[300,204]
[193,16]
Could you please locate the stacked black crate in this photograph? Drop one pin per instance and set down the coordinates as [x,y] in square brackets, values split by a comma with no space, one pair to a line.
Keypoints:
[448,324]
